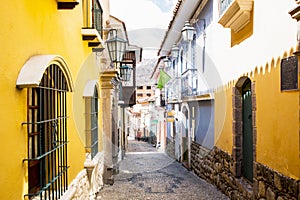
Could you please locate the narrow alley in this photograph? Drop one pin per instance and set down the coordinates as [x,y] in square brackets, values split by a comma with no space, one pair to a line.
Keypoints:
[150,99]
[146,173]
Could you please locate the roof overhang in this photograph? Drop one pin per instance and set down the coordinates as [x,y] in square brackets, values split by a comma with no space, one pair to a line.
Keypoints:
[185,12]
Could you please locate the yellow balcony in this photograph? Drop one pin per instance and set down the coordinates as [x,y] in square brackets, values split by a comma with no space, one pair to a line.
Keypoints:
[237,15]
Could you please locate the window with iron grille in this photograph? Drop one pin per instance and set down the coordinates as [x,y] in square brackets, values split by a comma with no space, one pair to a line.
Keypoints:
[97,16]
[47,136]
[92,15]
[92,124]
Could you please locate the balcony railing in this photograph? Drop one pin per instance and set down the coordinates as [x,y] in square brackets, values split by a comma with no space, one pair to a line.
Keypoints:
[189,83]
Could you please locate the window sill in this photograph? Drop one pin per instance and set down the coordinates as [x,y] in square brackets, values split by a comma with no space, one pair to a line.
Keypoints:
[295,13]
[237,15]
[67,4]
[92,36]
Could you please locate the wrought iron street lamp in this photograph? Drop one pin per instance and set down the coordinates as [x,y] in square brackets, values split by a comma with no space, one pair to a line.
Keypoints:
[167,62]
[125,72]
[188,32]
[116,46]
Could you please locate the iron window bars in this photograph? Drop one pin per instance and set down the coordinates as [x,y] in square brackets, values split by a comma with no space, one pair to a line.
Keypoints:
[93,15]
[97,16]
[47,136]
[92,124]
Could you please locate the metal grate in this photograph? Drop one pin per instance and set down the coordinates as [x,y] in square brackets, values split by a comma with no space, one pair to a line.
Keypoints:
[47,136]
[97,16]
[92,124]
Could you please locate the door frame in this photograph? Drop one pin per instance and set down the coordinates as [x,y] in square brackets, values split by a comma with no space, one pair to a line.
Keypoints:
[237,125]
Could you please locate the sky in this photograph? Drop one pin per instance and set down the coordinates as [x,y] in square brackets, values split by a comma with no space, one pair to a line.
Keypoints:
[146,21]
[139,14]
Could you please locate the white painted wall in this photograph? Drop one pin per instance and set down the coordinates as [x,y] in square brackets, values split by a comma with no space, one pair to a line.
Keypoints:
[274,31]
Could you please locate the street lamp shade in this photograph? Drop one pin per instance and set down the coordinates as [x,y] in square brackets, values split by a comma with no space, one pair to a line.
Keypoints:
[188,32]
[116,46]
[167,62]
[125,72]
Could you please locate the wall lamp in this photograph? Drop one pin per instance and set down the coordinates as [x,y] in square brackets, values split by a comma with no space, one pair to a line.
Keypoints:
[188,32]
[116,46]
[167,62]
[125,72]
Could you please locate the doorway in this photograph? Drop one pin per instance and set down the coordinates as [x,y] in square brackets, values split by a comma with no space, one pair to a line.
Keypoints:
[247,137]
[185,138]
[244,128]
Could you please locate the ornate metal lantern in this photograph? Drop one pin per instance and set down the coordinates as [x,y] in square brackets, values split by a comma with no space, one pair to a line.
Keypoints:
[188,32]
[125,72]
[116,46]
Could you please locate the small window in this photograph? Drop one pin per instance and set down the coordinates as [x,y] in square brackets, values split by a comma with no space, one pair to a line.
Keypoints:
[139,87]
[92,17]
[97,16]
[148,87]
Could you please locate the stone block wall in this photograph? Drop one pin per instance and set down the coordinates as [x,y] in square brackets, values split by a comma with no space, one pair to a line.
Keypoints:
[78,189]
[89,181]
[273,185]
[217,167]
[96,178]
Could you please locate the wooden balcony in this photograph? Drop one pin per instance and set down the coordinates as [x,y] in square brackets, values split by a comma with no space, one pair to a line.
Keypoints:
[237,15]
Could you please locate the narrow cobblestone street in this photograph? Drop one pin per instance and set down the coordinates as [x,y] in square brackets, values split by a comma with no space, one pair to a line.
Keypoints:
[148,174]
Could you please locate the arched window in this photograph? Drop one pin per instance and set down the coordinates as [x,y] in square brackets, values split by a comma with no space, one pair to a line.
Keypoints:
[47,135]
[47,80]
[92,123]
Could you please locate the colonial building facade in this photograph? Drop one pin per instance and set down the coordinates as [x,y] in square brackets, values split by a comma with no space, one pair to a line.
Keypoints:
[235,96]
[58,89]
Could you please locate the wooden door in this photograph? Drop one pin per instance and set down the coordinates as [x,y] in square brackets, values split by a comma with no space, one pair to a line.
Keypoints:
[247,148]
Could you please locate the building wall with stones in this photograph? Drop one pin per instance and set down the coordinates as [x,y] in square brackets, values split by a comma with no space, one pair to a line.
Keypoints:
[216,167]
[238,51]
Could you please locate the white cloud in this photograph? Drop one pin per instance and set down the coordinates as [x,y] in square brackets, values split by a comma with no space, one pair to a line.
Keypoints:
[139,14]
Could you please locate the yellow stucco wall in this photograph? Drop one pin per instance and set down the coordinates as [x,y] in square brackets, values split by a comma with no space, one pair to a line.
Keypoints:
[30,28]
[223,118]
[277,120]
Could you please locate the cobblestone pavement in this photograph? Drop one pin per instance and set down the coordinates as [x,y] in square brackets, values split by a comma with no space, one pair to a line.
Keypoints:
[148,174]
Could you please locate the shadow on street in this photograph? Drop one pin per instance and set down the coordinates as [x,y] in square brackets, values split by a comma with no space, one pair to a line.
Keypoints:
[146,173]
